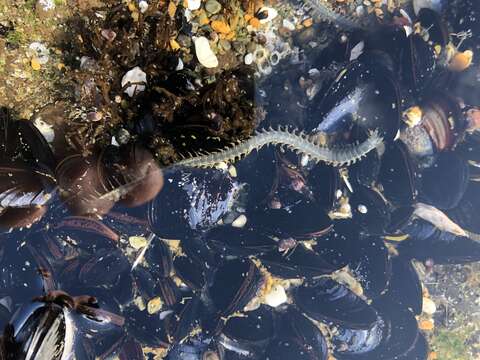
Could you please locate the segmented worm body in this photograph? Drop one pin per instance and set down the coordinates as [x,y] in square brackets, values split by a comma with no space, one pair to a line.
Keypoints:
[324,11]
[297,141]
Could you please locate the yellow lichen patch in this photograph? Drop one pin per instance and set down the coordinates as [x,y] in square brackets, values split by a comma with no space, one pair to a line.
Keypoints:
[172,9]
[426,325]
[174,44]
[254,22]
[220,27]
[461,60]
[35,64]
[307,22]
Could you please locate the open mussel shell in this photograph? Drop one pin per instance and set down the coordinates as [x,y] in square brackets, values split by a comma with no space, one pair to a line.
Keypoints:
[249,333]
[235,283]
[239,241]
[191,199]
[445,182]
[39,330]
[329,301]
[398,175]
[299,263]
[362,97]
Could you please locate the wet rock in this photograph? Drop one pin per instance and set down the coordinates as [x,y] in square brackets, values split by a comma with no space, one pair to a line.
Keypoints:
[213,7]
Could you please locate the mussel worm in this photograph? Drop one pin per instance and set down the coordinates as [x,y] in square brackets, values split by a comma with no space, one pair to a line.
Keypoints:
[299,142]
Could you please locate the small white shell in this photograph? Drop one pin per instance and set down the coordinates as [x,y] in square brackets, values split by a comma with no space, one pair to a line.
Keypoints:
[240,221]
[194,4]
[204,53]
[143,6]
[137,78]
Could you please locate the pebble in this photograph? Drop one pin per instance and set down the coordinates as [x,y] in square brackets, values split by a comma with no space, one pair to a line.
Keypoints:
[213,7]
[232,171]
[135,75]
[194,4]
[204,53]
[137,242]
[225,44]
[288,25]
[428,306]
[184,40]
[143,6]
[276,296]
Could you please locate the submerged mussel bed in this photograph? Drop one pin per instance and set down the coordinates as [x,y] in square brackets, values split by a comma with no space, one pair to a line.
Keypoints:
[126,250]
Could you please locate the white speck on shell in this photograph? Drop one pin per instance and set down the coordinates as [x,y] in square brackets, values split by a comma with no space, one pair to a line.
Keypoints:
[362,209]
[138,80]
[204,52]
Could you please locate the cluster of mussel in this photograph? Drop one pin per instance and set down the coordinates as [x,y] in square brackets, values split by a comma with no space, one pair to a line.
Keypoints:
[278,257]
